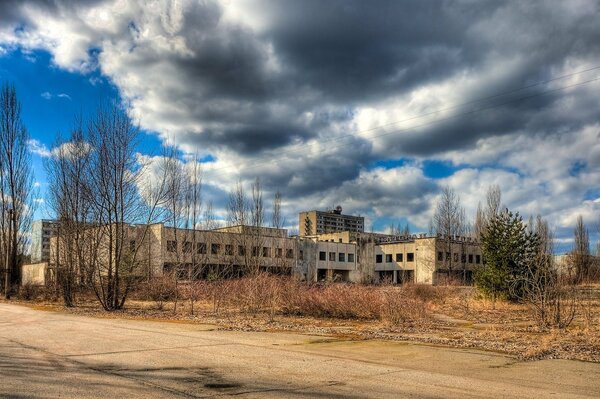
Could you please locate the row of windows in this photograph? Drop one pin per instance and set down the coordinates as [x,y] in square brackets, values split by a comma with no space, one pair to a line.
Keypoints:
[463,257]
[410,257]
[216,249]
[341,257]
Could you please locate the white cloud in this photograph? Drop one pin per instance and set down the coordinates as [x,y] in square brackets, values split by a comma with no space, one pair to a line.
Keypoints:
[36,147]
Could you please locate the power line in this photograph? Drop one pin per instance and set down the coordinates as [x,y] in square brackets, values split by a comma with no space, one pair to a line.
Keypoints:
[297,148]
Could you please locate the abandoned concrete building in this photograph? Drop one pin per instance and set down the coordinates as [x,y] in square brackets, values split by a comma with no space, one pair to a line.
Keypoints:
[338,255]
[319,222]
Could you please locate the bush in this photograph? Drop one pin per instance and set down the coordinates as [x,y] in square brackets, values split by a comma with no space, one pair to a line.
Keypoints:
[402,306]
[28,291]
[160,290]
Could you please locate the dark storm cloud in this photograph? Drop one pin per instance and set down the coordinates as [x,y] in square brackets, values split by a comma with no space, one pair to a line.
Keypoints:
[302,74]
[355,51]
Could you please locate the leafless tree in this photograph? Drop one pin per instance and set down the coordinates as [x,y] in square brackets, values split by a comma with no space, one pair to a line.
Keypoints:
[553,299]
[277,220]
[68,170]
[581,256]
[16,186]
[238,207]
[115,204]
[492,208]
[449,222]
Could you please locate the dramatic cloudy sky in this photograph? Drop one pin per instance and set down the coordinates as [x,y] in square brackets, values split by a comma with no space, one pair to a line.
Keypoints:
[373,105]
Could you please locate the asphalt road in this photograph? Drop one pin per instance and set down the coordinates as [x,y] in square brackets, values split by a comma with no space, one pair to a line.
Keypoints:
[53,355]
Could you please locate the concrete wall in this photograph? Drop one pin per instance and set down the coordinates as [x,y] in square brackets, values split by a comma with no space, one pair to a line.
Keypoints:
[34,273]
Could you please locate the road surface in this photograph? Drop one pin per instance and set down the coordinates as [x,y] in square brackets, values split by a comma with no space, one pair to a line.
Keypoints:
[52,355]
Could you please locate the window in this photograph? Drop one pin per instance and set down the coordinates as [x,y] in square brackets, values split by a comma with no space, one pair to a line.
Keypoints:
[241,250]
[463,258]
[410,257]
[341,257]
[470,258]
[378,258]
[289,253]
[301,255]
[278,253]
[350,258]
[332,256]
[215,249]
[388,258]
[201,248]
[187,247]
[440,256]
[322,256]
[477,259]
[398,257]
[455,257]
[228,249]
[171,246]
[266,252]
[254,251]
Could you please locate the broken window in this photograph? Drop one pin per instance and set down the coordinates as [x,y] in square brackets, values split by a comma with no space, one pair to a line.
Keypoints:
[171,246]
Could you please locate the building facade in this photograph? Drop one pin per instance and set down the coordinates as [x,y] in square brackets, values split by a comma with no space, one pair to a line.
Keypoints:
[41,233]
[348,255]
[378,258]
[314,222]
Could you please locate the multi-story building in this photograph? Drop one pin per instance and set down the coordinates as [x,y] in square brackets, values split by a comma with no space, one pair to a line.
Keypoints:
[314,222]
[349,255]
[41,232]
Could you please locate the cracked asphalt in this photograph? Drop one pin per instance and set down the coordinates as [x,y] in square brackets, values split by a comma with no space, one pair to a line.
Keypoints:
[54,355]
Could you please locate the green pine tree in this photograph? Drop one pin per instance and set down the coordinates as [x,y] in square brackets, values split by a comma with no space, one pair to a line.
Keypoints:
[508,251]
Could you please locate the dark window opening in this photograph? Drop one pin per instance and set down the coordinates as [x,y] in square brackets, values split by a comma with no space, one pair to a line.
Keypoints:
[410,257]
[399,257]
[171,246]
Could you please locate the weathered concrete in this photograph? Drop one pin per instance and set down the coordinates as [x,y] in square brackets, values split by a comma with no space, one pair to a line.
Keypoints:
[48,355]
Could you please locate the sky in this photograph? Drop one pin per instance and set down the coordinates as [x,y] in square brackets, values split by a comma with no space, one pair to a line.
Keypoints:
[374,106]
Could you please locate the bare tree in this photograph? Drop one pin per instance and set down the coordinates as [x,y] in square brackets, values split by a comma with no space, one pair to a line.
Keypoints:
[68,171]
[16,186]
[492,208]
[449,222]
[277,219]
[581,252]
[540,285]
[238,207]
[115,204]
